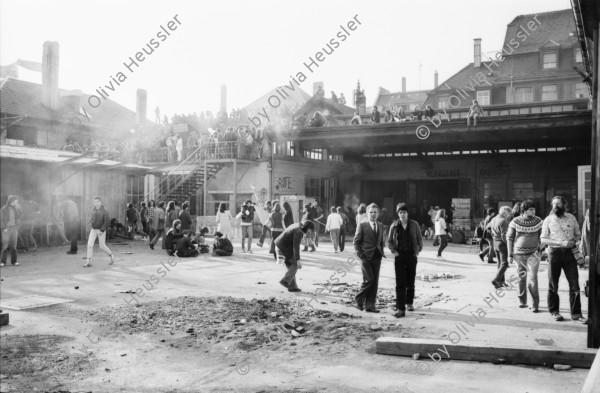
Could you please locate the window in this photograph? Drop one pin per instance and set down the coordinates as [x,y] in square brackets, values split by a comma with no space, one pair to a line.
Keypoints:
[134,189]
[523,191]
[549,93]
[549,60]
[581,90]
[523,94]
[578,58]
[315,154]
[313,187]
[336,157]
[483,97]
[290,149]
[443,102]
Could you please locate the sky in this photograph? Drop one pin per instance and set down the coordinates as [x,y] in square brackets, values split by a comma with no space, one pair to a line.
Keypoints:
[253,46]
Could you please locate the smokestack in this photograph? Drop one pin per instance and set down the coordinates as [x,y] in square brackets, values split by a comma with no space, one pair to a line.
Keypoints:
[477,52]
[403,84]
[223,99]
[435,79]
[50,75]
[141,106]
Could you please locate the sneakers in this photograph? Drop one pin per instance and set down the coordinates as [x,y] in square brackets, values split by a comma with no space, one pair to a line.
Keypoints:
[249,251]
[557,317]
[400,314]
[71,252]
[16,264]
[88,263]
[535,309]
[410,307]
[580,319]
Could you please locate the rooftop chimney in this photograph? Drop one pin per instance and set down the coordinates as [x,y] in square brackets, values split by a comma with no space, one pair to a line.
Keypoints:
[141,106]
[403,84]
[50,75]
[223,99]
[477,52]
[435,79]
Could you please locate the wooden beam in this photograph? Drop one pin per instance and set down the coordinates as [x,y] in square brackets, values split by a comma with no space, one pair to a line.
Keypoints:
[485,352]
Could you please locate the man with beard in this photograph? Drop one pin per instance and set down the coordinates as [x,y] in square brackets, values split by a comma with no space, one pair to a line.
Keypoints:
[560,231]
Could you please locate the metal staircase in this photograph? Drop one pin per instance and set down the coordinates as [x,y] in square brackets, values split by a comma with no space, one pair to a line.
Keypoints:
[182,181]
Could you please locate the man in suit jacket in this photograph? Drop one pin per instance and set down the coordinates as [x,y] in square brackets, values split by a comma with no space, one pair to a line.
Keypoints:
[368,244]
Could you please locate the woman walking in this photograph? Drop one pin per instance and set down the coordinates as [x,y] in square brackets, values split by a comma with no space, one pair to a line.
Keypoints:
[441,230]
[224,221]
[170,216]
[288,215]
[523,240]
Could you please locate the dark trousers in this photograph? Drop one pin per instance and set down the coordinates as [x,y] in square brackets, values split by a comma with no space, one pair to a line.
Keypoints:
[188,252]
[265,229]
[443,244]
[72,229]
[367,294]
[342,238]
[502,255]
[317,232]
[405,266]
[223,253]
[487,248]
[27,233]
[158,233]
[562,258]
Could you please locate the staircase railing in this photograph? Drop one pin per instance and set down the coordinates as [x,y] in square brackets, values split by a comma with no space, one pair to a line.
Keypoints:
[210,150]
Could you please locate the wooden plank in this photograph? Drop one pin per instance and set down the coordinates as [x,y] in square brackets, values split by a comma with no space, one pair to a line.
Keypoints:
[484,352]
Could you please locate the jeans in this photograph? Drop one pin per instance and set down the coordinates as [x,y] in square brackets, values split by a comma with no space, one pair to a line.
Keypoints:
[9,242]
[316,233]
[502,255]
[308,239]
[246,231]
[335,238]
[158,233]
[367,294]
[27,233]
[275,235]
[95,233]
[443,244]
[562,258]
[405,266]
[527,267]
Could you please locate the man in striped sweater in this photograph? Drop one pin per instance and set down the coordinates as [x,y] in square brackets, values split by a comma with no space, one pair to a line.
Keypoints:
[523,239]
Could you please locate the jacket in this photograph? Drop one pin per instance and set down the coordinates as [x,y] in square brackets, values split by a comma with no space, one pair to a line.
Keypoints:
[365,243]
[5,217]
[171,239]
[289,242]
[169,218]
[186,220]
[415,234]
[224,244]
[247,214]
[159,219]
[100,219]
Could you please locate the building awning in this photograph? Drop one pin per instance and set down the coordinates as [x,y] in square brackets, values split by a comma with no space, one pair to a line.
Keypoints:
[61,156]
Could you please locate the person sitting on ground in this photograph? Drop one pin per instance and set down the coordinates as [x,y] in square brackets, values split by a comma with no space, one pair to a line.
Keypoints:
[171,237]
[201,241]
[222,246]
[475,112]
[356,119]
[185,246]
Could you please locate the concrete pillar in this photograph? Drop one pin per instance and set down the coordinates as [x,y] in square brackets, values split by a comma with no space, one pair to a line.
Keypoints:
[50,74]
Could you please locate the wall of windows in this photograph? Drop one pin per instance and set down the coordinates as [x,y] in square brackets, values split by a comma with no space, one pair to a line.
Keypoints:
[550,60]
[134,188]
[549,93]
[523,94]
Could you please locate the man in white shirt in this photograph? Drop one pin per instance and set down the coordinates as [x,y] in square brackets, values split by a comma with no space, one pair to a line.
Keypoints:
[334,224]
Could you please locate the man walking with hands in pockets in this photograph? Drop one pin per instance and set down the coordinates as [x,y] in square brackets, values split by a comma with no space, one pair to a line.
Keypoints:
[405,242]
[368,244]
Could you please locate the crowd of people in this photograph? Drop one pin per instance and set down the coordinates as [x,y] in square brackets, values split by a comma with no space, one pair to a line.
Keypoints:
[516,235]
